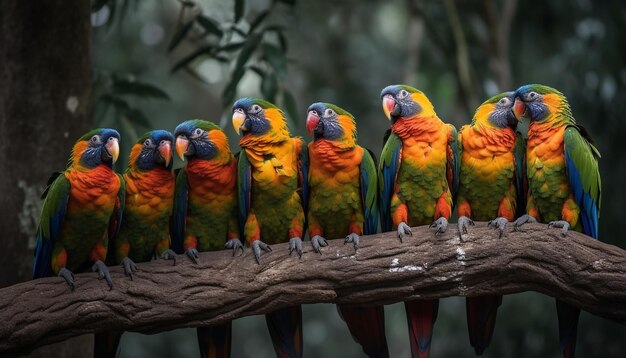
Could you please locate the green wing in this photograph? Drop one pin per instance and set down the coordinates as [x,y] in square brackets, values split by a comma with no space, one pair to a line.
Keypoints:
[179,213]
[521,181]
[581,160]
[244,189]
[369,192]
[56,197]
[387,174]
[453,162]
[115,223]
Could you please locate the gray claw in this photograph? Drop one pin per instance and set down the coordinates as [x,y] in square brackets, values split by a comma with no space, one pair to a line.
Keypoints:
[257,246]
[318,242]
[234,244]
[404,230]
[463,223]
[517,224]
[441,225]
[129,267]
[564,225]
[103,272]
[295,243]
[169,255]
[68,276]
[499,223]
[193,254]
[353,238]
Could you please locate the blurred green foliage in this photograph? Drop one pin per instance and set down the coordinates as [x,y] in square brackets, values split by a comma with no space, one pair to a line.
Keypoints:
[203,54]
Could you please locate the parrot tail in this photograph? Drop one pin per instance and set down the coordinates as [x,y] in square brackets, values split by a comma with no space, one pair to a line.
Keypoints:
[367,327]
[481,320]
[106,344]
[421,316]
[568,327]
[285,326]
[215,341]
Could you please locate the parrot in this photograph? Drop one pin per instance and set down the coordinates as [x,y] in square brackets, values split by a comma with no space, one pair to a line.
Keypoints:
[271,177]
[342,202]
[205,209]
[564,186]
[82,208]
[490,186]
[418,179]
[144,232]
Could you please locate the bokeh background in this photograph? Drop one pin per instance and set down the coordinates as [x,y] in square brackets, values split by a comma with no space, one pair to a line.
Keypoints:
[158,63]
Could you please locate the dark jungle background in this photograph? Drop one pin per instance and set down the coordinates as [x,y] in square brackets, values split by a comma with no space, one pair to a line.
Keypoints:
[140,65]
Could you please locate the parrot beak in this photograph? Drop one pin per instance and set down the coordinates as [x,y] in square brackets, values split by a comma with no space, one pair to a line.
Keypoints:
[182,143]
[312,120]
[113,148]
[239,121]
[165,150]
[389,105]
[519,108]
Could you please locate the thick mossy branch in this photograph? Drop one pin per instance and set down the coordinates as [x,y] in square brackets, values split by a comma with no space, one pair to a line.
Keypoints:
[579,270]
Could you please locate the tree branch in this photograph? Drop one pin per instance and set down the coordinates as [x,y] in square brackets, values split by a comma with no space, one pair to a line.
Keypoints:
[579,270]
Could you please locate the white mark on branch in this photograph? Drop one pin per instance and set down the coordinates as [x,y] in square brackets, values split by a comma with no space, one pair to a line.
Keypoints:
[460,255]
[71,104]
[395,263]
[599,265]
[31,207]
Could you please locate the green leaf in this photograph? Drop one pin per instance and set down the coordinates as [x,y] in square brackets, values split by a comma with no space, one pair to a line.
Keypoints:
[239,9]
[269,87]
[288,2]
[282,39]
[246,51]
[139,89]
[258,20]
[228,95]
[231,47]
[291,107]
[258,70]
[206,50]
[137,116]
[210,26]
[179,36]
[276,58]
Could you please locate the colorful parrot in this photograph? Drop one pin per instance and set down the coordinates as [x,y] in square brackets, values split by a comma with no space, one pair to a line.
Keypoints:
[490,186]
[272,173]
[564,184]
[418,177]
[82,207]
[205,209]
[144,232]
[342,201]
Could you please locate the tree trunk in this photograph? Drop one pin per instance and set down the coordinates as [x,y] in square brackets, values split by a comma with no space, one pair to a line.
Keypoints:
[45,82]
[577,269]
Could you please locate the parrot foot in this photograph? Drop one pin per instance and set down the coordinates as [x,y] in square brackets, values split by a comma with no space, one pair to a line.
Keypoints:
[499,223]
[68,276]
[404,230]
[440,224]
[129,267]
[169,254]
[192,253]
[318,242]
[564,225]
[354,239]
[464,222]
[517,224]
[295,244]
[257,246]
[103,273]
[234,244]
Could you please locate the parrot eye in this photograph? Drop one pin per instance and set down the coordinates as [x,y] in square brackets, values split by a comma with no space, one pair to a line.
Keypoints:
[532,95]
[197,132]
[504,101]
[403,94]
[329,112]
[95,139]
[147,143]
[256,108]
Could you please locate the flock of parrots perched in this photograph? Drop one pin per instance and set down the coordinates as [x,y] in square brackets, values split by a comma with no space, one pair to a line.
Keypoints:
[277,187]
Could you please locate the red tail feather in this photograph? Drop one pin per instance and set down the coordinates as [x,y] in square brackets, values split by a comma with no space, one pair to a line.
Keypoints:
[421,316]
[367,327]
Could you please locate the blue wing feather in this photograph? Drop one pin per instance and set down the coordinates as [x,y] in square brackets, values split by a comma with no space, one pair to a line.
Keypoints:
[244,182]
[369,192]
[387,172]
[179,213]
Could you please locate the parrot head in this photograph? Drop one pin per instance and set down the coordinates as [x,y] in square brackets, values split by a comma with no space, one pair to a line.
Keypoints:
[497,111]
[98,146]
[153,149]
[259,118]
[537,102]
[325,120]
[197,138]
[405,102]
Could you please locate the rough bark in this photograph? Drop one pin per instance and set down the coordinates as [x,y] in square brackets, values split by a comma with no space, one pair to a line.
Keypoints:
[576,268]
[45,80]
